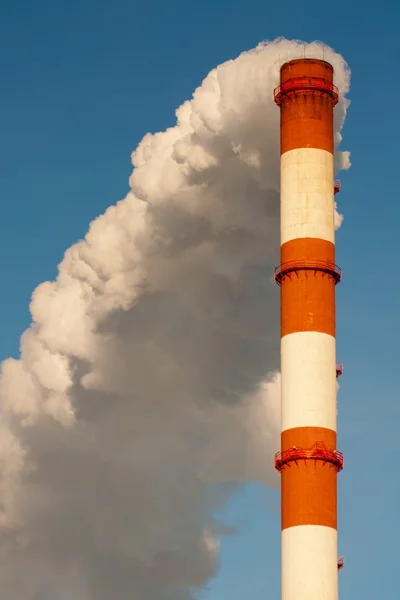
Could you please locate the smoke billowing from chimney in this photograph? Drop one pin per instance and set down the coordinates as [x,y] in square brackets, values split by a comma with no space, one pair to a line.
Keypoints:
[148,386]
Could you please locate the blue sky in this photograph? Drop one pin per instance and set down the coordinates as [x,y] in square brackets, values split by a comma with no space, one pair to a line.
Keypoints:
[83,81]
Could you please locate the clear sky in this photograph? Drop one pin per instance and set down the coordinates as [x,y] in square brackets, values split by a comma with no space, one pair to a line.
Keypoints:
[83,81]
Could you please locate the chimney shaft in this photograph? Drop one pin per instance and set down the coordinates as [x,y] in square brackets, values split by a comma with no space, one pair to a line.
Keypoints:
[307,275]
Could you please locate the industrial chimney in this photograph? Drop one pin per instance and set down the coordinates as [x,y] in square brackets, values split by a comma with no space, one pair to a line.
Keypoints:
[308,460]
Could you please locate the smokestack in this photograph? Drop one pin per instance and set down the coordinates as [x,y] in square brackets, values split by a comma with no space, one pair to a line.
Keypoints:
[308,460]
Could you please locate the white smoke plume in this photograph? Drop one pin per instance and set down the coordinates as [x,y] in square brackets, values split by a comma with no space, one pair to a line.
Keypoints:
[148,388]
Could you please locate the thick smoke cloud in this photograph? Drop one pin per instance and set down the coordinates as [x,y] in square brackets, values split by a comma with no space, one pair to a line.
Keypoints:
[148,388]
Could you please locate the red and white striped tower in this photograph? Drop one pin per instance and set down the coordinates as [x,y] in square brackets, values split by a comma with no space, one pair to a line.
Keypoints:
[308,459]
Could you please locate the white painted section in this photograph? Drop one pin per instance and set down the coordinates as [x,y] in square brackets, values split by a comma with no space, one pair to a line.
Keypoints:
[308,368]
[309,563]
[307,195]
